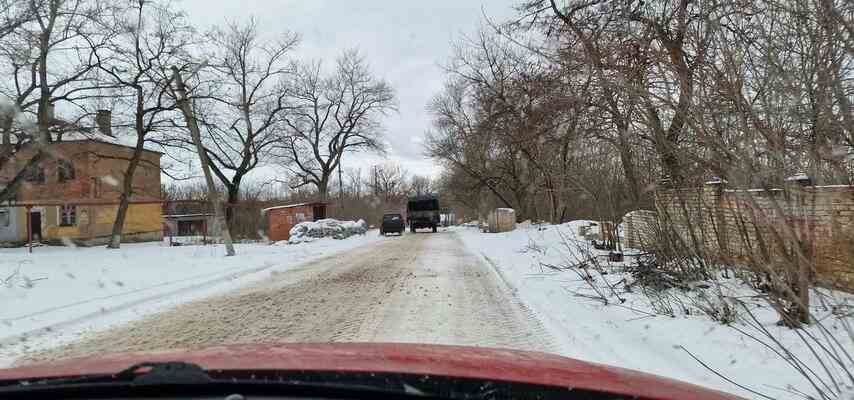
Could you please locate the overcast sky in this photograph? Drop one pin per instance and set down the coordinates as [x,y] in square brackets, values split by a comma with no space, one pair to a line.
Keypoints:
[405,42]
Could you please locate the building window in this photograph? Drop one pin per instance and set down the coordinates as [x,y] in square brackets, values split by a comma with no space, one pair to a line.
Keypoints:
[65,170]
[35,175]
[67,215]
[96,188]
[4,217]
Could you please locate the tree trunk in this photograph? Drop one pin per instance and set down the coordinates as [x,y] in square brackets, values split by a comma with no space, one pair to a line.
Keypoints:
[233,198]
[627,162]
[6,145]
[323,188]
[124,199]
[127,181]
[192,124]
[43,115]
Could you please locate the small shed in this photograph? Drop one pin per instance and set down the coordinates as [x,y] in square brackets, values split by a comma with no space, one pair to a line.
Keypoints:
[281,219]
[501,220]
[188,224]
[190,220]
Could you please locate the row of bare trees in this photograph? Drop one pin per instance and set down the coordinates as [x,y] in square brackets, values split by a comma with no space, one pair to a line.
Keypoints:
[361,194]
[253,103]
[584,108]
[597,100]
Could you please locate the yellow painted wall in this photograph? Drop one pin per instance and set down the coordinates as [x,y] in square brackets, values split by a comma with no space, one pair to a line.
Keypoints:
[21,219]
[140,218]
[93,222]
[144,218]
[97,221]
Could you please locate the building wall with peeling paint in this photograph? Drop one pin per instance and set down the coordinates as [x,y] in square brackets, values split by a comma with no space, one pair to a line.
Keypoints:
[93,194]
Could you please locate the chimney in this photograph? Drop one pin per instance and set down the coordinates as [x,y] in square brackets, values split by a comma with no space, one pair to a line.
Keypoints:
[104,121]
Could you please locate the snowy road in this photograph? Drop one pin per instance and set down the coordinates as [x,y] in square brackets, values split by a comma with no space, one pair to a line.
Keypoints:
[417,288]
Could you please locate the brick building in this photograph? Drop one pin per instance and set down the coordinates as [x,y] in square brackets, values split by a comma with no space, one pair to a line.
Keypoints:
[281,219]
[75,194]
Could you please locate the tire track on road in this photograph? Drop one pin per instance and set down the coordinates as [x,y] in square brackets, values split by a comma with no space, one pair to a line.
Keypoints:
[423,288]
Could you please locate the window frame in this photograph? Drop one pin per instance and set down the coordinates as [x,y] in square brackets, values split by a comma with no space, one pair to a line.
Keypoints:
[35,175]
[60,215]
[68,166]
[5,223]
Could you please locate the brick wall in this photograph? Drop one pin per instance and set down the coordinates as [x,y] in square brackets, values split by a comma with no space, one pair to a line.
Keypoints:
[639,226]
[95,189]
[99,169]
[280,220]
[738,225]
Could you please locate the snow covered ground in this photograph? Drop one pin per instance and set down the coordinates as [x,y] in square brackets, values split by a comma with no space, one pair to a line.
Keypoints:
[627,334]
[56,294]
[415,288]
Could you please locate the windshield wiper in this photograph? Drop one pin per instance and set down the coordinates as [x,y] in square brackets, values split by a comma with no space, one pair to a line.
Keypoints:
[147,373]
[187,375]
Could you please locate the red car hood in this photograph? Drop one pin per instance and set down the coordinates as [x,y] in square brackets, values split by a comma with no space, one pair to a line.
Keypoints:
[421,359]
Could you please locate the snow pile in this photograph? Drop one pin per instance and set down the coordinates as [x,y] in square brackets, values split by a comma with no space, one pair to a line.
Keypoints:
[309,231]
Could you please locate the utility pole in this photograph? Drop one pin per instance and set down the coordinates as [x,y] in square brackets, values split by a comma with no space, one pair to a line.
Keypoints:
[187,109]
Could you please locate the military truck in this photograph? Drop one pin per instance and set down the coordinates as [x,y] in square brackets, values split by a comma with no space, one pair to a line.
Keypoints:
[422,212]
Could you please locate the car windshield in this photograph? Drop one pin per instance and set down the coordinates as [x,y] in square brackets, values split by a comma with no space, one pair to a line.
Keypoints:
[661,186]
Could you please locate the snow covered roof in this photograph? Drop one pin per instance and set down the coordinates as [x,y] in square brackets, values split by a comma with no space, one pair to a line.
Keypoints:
[175,216]
[311,203]
[110,142]
[798,177]
[76,136]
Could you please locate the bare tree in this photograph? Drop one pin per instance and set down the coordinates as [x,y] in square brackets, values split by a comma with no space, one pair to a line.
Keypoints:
[356,185]
[421,185]
[388,182]
[13,15]
[47,59]
[244,115]
[456,140]
[185,103]
[332,116]
[151,37]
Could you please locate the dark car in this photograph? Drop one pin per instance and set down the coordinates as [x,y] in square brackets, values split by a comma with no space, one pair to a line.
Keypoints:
[392,223]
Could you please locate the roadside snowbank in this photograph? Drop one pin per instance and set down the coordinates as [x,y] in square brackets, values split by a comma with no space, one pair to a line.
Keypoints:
[629,334]
[57,293]
[311,230]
